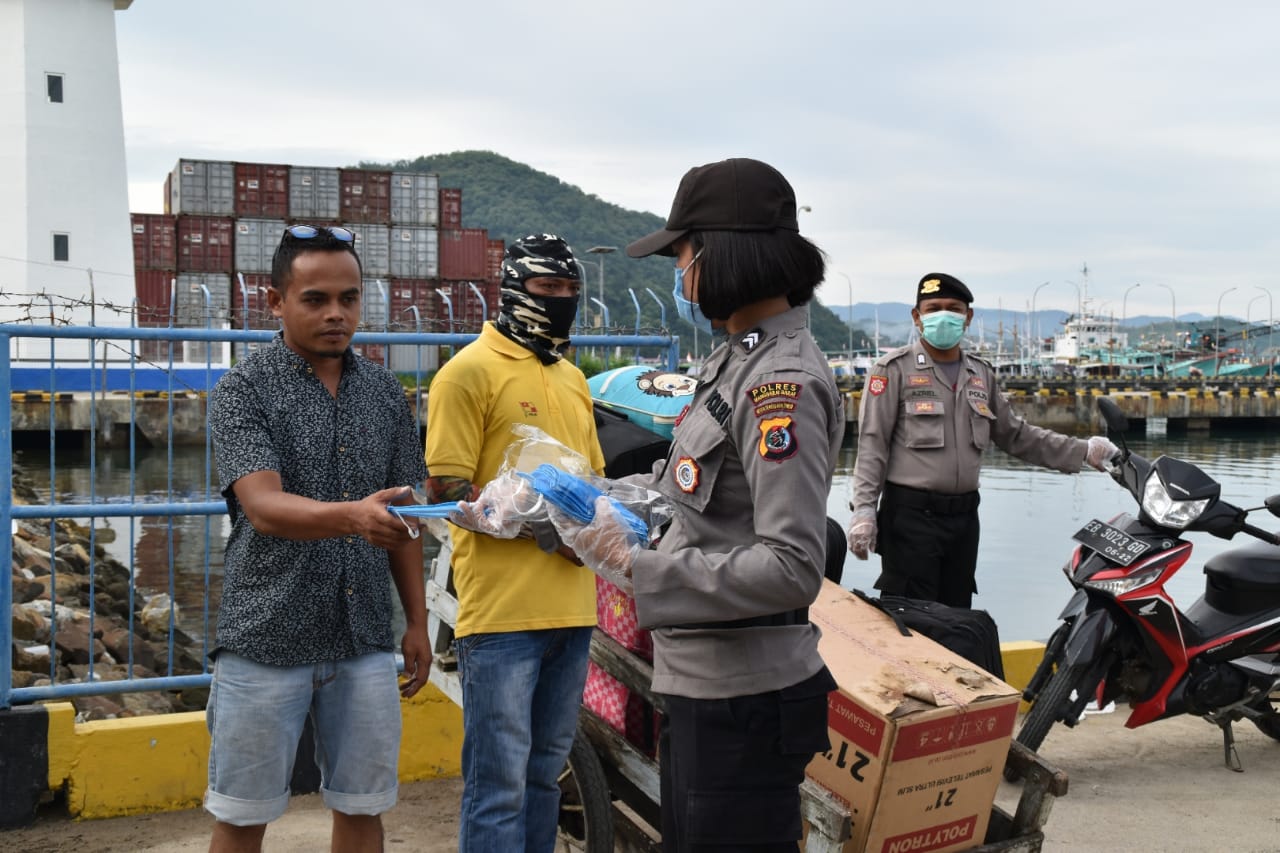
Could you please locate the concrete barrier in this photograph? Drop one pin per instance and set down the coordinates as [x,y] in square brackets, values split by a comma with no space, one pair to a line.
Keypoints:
[160,763]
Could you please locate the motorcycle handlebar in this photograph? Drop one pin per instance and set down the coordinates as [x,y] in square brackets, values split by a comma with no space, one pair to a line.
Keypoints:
[1265,535]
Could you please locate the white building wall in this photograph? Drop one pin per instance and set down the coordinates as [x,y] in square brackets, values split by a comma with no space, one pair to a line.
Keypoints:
[67,161]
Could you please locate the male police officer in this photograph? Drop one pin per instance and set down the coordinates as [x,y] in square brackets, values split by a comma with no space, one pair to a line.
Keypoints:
[929,411]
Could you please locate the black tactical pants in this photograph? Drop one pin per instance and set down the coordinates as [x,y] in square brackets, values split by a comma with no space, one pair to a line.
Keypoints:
[928,545]
[732,768]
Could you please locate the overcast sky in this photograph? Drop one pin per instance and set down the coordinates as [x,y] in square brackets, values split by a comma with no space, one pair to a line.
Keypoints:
[1003,142]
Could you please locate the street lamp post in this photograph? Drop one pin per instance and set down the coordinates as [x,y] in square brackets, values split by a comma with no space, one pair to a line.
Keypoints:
[1248,316]
[1035,322]
[1173,312]
[1217,332]
[849,319]
[602,251]
[1124,304]
[1271,329]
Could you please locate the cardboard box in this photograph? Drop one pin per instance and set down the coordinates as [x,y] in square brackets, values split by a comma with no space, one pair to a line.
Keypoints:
[918,734]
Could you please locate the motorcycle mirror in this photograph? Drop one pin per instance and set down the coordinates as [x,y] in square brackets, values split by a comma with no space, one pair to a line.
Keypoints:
[1114,418]
[1273,505]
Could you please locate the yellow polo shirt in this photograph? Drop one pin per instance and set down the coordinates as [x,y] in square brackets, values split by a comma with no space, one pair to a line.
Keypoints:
[493,382]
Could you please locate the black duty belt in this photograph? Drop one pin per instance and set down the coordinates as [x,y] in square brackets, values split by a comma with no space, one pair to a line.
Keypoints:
[770,620]
[933,501]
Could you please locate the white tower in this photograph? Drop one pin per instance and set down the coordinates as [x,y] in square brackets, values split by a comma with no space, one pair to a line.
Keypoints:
[64,204]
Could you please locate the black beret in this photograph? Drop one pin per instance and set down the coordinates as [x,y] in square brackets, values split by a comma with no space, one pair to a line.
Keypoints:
[939,285]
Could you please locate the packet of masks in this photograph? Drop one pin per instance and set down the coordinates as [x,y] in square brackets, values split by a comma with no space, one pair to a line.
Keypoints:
[430,516]
[542,481]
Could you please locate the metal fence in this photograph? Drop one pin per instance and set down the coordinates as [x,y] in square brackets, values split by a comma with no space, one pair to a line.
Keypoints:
[181,380]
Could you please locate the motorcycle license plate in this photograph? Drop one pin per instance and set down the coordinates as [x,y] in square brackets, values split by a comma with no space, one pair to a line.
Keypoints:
[1111,542]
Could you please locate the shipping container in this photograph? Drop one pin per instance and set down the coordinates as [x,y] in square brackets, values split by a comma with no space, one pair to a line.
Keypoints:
[373,245]
[249,302]
[495,251]
[405,294]
[155,237]
[313,194]
[154,293]
[262,191]
[255,244]
[463,254]
[450,208]
[415,199]
[471,305]
[411,359]
[366,195]
[201,188]
[373,305]
[205,244]
[191,305]
[415,252]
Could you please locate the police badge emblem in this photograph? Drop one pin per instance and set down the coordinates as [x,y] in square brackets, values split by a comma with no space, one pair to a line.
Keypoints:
[687,474]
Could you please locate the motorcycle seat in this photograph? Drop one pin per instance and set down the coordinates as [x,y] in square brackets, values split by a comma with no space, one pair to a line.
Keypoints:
[1243,579]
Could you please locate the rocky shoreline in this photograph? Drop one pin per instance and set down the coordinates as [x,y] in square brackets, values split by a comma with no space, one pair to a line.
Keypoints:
[58,626]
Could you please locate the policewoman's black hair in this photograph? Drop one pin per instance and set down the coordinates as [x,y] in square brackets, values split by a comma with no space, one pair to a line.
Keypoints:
[738,268]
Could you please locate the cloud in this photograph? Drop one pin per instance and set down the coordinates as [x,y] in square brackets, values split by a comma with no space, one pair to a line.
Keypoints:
[1007,142]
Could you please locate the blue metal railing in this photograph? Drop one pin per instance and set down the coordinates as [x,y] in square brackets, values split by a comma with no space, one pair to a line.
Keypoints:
[128,506]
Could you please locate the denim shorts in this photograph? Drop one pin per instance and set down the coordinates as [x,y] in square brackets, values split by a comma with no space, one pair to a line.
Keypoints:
[256,714]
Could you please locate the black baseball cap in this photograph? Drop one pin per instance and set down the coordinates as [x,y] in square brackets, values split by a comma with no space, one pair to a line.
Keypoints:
[939,285]
[739,194]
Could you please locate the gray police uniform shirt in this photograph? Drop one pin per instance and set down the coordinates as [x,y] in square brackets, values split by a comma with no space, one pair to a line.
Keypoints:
[915,430]
[289,602]
[749,471]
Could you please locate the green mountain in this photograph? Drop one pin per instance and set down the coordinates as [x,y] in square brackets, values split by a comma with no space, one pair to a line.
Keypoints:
[510,199]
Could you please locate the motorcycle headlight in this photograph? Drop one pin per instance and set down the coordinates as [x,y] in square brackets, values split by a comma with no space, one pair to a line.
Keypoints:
[1164,509]
[1119,586]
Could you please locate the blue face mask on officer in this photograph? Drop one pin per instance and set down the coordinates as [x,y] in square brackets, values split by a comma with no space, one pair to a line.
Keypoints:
[689,311]
[942,329]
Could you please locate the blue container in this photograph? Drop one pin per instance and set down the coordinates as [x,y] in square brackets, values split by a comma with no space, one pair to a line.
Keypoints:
[650,396]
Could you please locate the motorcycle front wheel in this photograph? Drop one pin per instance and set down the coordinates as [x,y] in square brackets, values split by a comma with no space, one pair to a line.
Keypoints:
[1048,708]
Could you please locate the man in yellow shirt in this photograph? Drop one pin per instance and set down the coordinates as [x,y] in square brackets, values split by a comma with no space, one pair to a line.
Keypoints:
[524,614]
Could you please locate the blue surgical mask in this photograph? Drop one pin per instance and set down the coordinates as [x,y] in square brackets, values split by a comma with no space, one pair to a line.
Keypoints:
[943,329]
[689,311]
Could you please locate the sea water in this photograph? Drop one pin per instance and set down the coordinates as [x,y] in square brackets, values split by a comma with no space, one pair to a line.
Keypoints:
[1028,515]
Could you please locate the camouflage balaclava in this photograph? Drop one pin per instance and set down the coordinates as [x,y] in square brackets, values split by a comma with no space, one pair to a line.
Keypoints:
[539,323]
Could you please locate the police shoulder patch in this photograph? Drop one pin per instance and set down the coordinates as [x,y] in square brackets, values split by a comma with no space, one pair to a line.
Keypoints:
[877,384]
[777,440]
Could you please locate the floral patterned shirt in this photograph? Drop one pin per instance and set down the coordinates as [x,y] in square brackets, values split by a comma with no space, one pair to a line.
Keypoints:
[287,602]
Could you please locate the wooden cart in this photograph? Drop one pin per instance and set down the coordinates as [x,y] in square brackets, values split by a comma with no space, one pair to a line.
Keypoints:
[610,791]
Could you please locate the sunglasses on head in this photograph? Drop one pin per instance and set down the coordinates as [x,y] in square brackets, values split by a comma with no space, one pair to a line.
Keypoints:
[307,232]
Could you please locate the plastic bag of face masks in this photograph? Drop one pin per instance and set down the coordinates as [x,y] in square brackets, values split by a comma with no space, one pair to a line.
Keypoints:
[539,473]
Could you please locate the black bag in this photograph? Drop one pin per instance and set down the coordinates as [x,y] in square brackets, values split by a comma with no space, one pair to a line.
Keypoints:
[971,634]
[628,447]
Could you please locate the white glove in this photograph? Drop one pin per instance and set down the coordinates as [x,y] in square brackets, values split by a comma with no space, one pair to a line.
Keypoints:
[862,532]
[1099,451]
[607,546]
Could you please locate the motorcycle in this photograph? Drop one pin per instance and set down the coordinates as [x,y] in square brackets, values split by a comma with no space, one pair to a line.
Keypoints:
[1122,636]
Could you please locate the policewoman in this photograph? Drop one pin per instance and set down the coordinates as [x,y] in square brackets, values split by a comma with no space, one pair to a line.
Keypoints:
[727,588]
[929,411]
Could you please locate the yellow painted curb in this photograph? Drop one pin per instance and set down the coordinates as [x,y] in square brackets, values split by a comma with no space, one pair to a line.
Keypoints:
[160,763]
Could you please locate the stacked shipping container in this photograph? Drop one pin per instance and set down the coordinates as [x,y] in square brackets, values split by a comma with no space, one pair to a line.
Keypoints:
[208,260]
[262,191]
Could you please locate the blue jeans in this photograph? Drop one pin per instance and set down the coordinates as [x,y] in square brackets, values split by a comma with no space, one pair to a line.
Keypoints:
[520,697]
[255,716]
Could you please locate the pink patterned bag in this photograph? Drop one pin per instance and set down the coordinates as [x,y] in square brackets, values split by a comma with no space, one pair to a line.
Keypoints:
[626,712]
